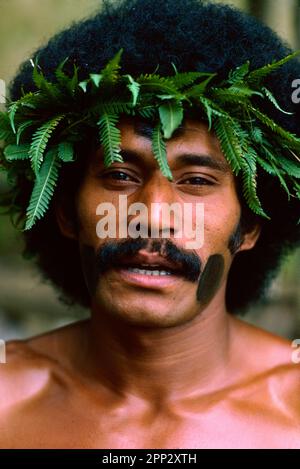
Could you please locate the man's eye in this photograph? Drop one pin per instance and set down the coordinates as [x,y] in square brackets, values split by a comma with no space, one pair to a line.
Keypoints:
[197,181]
[118,176]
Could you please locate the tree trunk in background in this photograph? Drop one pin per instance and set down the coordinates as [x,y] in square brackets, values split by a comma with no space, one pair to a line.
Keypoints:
[280,15]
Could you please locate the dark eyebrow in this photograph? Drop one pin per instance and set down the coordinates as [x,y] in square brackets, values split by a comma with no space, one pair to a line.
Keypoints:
[132,156]
[186,159]
[202,160]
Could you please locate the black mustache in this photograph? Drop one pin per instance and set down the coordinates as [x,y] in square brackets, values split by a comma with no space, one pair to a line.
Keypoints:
[111,253]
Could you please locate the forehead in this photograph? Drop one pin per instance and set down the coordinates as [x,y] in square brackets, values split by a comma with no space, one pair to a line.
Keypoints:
[192,137]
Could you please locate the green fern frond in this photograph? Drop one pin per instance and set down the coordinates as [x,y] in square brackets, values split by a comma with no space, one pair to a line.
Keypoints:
[134,88]
[171,116]
[229,143]
[266,166]
[110,72]
[43,188]
[160,152]
[157,84]
[110,138]
[256,134]
[249,174]
[96,79]
[182,80]
[292,140]
[272,160]
[199,88]
[12,112]
[40,140]
[116,107]
[61,77]
[50,89]
[65,152]
[237,75]
[256,76]
[273,100]
[210,110]
[83,85]
[291,168]
[147,112]
[17,152]
[22,127]
[6,130]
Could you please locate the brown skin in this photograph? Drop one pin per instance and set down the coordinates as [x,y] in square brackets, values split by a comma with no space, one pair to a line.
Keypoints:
[154,367]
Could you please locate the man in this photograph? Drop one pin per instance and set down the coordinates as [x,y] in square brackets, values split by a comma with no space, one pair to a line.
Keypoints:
[162,362]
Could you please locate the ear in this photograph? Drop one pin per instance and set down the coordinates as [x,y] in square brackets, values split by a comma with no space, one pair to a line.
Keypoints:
[65,220]
[249,238]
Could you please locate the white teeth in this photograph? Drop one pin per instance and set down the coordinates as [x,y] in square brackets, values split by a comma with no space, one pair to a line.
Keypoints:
[148,272]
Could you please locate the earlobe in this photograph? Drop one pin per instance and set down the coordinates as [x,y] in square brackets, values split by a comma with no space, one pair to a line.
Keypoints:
[250,238]
[64,221]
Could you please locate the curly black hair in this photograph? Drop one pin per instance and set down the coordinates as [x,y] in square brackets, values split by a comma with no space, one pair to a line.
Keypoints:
[193,35]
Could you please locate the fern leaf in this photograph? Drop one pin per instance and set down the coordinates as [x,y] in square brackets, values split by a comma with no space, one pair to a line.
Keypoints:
[83,85]
[110,72]
[65,152]
[255,77]
[134,88]
[229,143]
[182,80]
[198,89]
[273,100]
[41,83]
[171,115]
[256,134]
[160,153]
[43,188]
[250,186]
[291,168]
[96,78]
[112,107]
[110,138]
[23,127]
[6,130]
[273,162]
[210,110]
[237,75]
[16,152]
[157,84]
[147,112]
[266,166]
[12,112]
[40,140]
[292,140]
[74,80]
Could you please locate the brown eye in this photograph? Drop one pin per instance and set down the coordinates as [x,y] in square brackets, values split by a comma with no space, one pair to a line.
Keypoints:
[197,181]
[118,176]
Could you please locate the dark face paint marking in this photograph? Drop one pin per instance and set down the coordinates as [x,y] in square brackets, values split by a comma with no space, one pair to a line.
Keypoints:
[210,279]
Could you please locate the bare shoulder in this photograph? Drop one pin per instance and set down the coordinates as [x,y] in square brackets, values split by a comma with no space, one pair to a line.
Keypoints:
[32,364]
[273,368]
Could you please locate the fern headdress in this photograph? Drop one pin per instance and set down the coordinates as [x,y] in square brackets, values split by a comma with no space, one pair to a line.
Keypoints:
[41,128]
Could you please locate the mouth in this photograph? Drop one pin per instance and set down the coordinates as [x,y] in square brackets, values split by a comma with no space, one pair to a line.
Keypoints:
[150,271]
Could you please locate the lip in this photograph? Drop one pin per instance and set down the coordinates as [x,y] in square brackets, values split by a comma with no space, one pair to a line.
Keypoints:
[148,281]
[144,258]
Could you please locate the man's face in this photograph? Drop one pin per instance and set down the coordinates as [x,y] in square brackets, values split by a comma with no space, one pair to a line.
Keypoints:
[128,289]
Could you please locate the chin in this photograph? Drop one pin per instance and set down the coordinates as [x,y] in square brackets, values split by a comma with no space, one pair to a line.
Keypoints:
[140,312]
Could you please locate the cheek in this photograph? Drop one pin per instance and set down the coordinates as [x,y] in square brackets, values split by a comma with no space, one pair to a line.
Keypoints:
[87,202]
[220,220]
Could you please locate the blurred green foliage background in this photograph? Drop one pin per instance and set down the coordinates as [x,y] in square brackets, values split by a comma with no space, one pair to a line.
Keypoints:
[27,304]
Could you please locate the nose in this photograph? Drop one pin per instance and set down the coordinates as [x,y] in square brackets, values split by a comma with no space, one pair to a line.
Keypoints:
[163,212]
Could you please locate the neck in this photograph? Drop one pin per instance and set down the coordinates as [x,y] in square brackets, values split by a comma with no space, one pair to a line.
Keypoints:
[160,363]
